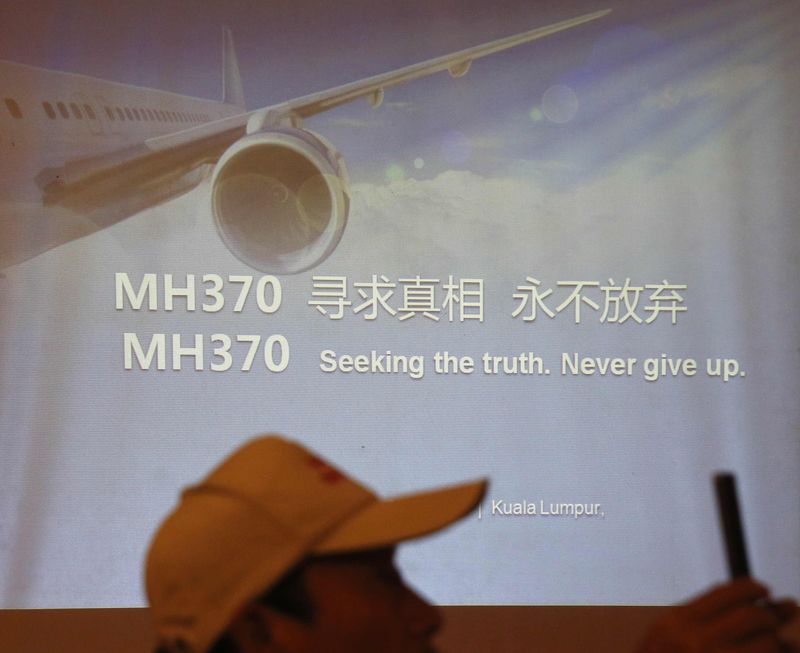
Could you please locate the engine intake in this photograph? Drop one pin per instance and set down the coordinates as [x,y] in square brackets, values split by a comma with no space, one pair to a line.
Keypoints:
[280,199]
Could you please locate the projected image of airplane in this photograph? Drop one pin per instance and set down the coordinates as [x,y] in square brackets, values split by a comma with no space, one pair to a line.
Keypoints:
[79,154]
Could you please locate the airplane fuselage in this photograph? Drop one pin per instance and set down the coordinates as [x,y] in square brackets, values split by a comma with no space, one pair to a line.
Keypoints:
[48,118]
[59,116]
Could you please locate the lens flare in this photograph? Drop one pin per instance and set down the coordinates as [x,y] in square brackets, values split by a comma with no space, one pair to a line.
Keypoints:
[395,172]
[559,103]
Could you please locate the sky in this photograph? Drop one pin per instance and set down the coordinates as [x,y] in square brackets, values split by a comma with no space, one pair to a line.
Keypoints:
[520,105]
[524,102]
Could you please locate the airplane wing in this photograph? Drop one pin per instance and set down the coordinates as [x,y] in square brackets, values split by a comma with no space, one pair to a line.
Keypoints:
[90,182]
[457,64]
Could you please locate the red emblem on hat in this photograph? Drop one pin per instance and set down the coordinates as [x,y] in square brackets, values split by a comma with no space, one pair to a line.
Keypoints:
[327,473]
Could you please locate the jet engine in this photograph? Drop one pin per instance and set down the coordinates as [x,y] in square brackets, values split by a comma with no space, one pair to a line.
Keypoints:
[280,199]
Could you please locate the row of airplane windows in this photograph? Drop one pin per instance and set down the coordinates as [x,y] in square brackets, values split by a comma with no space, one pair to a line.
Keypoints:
[72,109]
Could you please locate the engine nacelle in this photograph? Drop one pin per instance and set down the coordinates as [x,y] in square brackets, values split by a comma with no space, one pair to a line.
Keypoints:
[280,199]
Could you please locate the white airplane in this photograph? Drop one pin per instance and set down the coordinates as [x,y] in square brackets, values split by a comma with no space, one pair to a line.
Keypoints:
[78,154]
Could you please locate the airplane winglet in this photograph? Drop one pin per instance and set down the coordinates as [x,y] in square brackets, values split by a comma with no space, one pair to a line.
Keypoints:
[232,92]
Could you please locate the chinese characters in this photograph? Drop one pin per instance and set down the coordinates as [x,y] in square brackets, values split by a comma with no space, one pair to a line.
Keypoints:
[462,300]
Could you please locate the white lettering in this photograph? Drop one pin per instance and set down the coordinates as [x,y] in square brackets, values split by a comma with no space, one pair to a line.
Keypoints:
[373,363]
[157,348]
[147,287]
[170,292]
[179,351]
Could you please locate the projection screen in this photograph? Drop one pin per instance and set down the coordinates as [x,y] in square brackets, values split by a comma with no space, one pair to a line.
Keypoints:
[570,266]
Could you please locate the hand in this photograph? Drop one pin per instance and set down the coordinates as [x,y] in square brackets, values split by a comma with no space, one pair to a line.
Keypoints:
[737,617]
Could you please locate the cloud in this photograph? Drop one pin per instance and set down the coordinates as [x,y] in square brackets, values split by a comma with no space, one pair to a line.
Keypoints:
[645,217]
[464,222]
[525,167]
